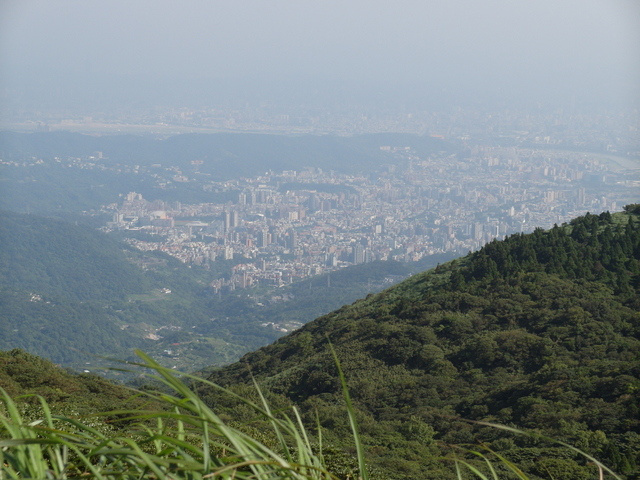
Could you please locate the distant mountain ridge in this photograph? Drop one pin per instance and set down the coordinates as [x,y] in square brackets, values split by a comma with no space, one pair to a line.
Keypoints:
[34,173]
[540,330]
[227,155]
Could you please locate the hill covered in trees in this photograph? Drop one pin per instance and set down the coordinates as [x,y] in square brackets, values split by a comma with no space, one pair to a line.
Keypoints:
[67,290]
[541,331]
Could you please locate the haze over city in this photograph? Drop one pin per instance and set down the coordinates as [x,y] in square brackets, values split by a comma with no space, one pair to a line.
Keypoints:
[92,57]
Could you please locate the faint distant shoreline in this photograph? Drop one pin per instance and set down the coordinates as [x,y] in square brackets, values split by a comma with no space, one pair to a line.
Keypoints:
[617,160]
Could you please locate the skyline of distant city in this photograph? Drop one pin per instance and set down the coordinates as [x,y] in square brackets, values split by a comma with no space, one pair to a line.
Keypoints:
[285,226]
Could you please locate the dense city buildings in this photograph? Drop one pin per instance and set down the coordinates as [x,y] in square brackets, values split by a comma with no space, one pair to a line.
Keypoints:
[284,226]
[508,172]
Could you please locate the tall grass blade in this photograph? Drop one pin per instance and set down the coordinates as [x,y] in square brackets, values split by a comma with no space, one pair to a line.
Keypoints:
[352,418]
[517,431]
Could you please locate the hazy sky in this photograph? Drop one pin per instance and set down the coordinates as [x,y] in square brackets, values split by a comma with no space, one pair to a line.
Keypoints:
[54,52]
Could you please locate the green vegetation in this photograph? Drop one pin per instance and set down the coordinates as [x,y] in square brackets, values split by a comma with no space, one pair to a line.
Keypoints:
[64,291]
[177,436]
[183,439]
[541,331]
[67,289]
[239,316]
[25,375]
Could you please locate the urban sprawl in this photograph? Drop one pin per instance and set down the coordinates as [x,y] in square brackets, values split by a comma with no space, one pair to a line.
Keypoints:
[285,226]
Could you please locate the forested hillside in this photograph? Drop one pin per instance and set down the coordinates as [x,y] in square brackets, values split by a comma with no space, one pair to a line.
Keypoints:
[64,260]
[23,374]
[541,331]
[67,291]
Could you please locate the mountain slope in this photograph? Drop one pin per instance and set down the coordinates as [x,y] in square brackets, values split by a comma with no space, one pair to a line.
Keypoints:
[24,374]
[540,330]
[64,260]
[68,291]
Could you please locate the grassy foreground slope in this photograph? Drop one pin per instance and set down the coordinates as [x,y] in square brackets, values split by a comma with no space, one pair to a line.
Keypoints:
[49,429]
[541,330]
[24,374]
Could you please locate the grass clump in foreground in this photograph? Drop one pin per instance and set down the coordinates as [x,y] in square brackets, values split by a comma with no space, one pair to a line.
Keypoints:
[188,440]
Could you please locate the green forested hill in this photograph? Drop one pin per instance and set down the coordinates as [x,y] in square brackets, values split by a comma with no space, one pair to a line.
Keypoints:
[64,260]
[67,291]
[541,331]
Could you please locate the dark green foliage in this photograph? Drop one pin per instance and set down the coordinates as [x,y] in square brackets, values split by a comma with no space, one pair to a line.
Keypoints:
[302,301]
[540,331]
[592,248]
[73,262]
[633,208]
